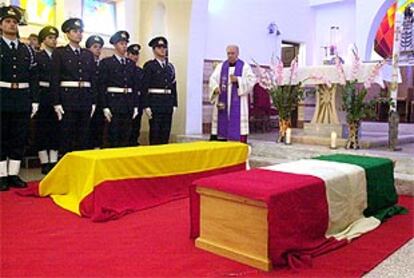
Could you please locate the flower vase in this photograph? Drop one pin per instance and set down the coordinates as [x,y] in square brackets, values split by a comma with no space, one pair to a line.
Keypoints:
[283,126]
[353,142]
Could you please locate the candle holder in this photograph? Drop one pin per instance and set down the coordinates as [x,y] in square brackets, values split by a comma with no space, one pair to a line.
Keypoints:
[333,144]
[288,137]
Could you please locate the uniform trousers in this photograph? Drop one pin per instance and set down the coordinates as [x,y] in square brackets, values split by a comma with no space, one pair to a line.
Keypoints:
[119,130]
[160,127]
[14,131]
[74,130]
[47,129]
[96,129]
[135,130]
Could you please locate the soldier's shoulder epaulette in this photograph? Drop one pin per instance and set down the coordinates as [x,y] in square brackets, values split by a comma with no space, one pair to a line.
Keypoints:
[171,66]
[105,60]
[40,55]
[148,64]
[88,52]
[59,50]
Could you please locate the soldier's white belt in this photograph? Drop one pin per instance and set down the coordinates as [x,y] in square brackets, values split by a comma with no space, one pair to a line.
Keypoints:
[75,84]
[11,85]
[159,91]
[44,84]
[118,90]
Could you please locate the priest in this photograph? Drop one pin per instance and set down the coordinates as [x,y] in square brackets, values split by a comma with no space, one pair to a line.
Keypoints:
[229,86]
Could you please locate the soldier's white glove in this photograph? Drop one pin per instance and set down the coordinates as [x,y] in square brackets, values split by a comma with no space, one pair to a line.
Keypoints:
[148,112]
[107,114]
[135,114]
[35,108]
[59,111]
[174,109]
[93,110]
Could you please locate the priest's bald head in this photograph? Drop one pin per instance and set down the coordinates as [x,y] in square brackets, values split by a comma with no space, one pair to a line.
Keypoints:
[232,53]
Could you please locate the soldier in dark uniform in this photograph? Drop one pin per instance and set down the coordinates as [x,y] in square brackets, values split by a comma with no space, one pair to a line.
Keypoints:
[18,97]
[119,87]
[74,88]
[160,92]
[95,43]
[133,54]
[34,42]
[47,125]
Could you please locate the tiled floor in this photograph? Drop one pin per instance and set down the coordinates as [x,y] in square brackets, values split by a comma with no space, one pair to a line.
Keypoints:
[370,131]
[400,264]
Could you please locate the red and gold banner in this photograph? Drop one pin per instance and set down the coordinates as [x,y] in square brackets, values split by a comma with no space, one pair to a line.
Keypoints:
[106,184]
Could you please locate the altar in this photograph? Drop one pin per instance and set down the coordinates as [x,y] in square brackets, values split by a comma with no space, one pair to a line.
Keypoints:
[327,117]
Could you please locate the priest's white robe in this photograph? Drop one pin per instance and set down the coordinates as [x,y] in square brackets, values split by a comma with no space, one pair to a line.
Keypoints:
[246,83]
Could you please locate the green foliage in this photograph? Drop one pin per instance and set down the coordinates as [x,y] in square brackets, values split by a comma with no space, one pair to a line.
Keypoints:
[355,106]
[286,98]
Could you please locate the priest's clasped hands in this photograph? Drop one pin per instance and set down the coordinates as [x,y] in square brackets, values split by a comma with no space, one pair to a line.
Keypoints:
[233,78]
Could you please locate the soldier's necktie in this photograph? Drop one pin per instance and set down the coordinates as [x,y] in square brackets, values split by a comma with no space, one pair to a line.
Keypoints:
[77,52]
[13,45]
[123,61]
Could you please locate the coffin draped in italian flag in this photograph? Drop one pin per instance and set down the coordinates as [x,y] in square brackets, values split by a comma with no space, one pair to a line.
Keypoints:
[313,205]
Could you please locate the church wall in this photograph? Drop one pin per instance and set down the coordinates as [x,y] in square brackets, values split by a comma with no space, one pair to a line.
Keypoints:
[195,69]
[245,22]
[341,14]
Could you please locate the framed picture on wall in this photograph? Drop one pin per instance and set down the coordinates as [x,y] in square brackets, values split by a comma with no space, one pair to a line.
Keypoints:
[39,12]
[99,16]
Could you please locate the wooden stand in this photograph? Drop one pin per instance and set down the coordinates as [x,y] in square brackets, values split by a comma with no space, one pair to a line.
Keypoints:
[234,227]
[326,119]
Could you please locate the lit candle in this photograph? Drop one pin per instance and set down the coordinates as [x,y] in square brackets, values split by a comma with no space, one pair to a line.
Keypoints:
[333,140]
[288,136]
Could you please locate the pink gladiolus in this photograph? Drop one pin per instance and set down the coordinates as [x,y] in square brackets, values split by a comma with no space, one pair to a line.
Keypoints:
[373,74]
[356,65]
[279,73]
[293,70]
[341,72]
[263,77]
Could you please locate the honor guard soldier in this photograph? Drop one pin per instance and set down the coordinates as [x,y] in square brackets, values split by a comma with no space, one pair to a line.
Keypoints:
[95,43]
[133,54]
[119,87]
[47,124]
[34,42]
[18,96]
[160,92]
[74,88]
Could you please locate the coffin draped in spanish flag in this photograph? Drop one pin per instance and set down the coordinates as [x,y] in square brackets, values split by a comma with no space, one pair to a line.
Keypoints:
[107,184]
[313,206]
